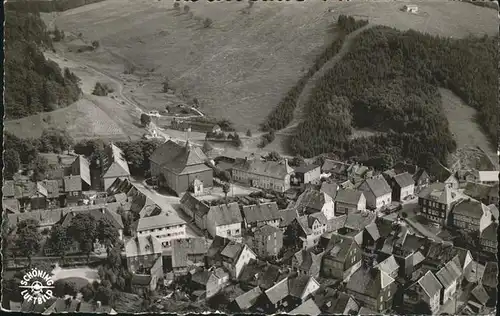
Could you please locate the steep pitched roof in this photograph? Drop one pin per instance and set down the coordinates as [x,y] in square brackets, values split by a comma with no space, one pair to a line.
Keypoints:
[334,166]
[311,199]
[115,164]
[72,183]
[389,265]
[372,230]
[297,285]
[480,294]
[477,190]
[248,299]
[358,221]
[307,308]
[278,292]
[494,211]
[349,196]
[339,246]
[369,282]
[440,193]
[182,248]
[96,211]
[336,223]
[273,169]
[83,167]
[305,168]
[430,284]
[404,179]
[449,273]
[261,212]
[490,232]
[179,159]
[226,214]
[164,219]
[196,206]
[420,174]
[142,246]
[232,250]
[378,186]
[288,216]
[490,274]
[330,188]
[470,208]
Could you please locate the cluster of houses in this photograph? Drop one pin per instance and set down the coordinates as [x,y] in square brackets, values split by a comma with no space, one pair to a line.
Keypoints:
[332,249]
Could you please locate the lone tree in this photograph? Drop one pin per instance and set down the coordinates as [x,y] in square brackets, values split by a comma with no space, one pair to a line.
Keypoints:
[95,44]
[59,240]
[177,6]
[107,233]
[145,119]
[186,9]
[12,162]
[236,140]
[297,161]
[249,133]
[166,85]
[83,229]
[207,23]
[40,168]
[225,188]
[28,238]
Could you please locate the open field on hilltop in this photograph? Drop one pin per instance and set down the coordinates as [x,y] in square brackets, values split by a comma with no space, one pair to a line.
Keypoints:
[462,123]
[242,66]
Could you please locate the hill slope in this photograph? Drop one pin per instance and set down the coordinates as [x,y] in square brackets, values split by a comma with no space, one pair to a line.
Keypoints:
[33,84]
[388,82]
[244,64]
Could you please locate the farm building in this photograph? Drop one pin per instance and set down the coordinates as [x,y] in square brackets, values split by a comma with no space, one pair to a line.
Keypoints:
[410,8]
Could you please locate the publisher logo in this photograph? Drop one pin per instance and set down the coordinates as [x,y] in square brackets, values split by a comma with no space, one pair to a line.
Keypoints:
[37,285]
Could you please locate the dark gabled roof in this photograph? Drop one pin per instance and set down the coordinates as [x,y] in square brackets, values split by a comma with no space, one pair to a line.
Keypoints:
[52,187]
[72,183]
[10,205]
[470,208]
[142,246]
[305,168]
[141,279]
[494,211]
[334,166]
[287,216]
[490,232]
[196,206]
[307,308]
[311,199]
[261,212]
[182,248]
[232,250]
[298,284]
[372,230]
[348,196]
[248,299]
[440,193]
[477,190]
[201,277]
[490,274]
[378,186]
[404,180]
[225,214]
[430,284]
[480,294]
[330,188]
[358,221]
[420,174]
[401,167]
[266,230]
[273,169]
[96,211]
[336,223]
[339,303]
[369,282]
[339,246]
[179,159]
[449,273]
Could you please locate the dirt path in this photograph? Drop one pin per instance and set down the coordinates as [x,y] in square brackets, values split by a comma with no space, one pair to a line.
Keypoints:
[300,109]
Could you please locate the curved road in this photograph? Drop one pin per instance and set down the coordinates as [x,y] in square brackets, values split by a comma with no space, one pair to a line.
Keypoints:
[299,112]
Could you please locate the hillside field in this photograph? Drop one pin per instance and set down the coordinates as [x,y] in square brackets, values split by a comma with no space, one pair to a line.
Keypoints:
[242,65]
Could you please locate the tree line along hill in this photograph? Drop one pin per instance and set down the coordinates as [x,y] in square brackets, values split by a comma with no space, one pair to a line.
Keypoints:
[389,82]
[33,84]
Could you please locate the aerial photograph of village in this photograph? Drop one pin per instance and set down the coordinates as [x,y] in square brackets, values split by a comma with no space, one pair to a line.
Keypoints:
[264,157]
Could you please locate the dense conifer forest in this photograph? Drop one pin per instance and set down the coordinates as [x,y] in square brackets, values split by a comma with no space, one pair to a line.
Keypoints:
[389,82]
[32,83]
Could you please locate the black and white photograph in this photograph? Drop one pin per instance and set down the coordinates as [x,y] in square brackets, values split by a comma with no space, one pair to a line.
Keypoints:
[299,157]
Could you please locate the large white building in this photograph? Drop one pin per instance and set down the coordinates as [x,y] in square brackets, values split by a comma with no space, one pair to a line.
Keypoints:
[166,227]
